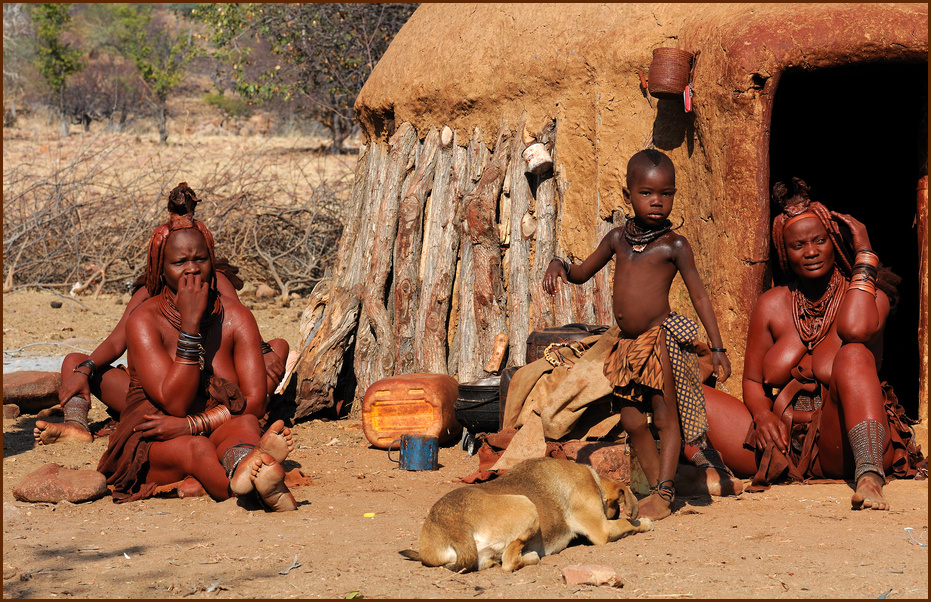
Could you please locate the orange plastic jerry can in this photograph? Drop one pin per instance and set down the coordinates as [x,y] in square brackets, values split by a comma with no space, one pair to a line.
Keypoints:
[417,404]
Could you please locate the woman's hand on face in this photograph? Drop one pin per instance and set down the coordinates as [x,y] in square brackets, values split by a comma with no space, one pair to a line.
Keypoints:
[771,430]
[861,239]
[163,428]
[191,299]
[554,273]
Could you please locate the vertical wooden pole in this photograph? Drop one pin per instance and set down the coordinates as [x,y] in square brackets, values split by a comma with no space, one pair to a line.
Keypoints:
[374,356]
[438,259]
[921,429]
[480,225]
[542,305]
[518,254]
[407,254]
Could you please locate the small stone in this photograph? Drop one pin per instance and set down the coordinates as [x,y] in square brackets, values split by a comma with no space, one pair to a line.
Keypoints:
[610,460]
[10,411]
[52,483]
[56,304]
[263,291]
[248,290]
[446,136]
[591,574]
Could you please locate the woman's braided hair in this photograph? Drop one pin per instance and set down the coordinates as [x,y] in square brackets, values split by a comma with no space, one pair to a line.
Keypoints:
[794,200]
[181,203]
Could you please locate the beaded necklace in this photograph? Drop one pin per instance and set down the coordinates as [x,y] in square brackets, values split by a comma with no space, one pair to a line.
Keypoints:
[639,237]
[813,319]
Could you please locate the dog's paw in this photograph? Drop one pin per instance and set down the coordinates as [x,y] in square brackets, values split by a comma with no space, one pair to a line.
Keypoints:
[646,524]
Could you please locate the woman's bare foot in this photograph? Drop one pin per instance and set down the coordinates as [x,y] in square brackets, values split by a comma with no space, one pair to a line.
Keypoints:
[277,441]
[47,433]
[655,507]
[241,483]
[869,493]
[268,477]
[191,487]
[691,480]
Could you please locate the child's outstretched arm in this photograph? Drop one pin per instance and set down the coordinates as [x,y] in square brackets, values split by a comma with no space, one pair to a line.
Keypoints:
[685,261]
[560,268]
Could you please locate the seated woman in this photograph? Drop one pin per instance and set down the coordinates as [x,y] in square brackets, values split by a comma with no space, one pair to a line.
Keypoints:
[82,375]
[814,406]
[196,384]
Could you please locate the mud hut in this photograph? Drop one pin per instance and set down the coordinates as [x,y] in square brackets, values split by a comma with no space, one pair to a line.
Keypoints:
[449,235]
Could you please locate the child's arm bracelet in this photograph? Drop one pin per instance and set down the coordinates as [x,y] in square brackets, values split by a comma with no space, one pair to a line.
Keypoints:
[565,263]
[718,349]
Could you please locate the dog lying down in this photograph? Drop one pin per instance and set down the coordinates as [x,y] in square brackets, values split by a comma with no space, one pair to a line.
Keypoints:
[533,510]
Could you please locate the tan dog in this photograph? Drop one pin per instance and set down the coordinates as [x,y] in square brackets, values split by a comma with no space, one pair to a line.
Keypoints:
[535,509]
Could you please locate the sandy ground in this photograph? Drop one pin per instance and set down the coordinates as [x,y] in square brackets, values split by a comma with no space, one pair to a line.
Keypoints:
[793,541]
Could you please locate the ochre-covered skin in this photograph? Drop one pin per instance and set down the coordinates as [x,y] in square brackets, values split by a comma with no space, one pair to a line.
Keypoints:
[474,65]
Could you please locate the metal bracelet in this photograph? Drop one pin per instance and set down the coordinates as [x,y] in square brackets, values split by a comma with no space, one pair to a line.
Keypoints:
[90,365]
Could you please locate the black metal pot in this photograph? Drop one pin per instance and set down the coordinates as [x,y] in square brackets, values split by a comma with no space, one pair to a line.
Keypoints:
[478,406]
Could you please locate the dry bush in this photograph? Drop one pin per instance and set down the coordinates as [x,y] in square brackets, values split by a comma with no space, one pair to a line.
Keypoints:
[83,212]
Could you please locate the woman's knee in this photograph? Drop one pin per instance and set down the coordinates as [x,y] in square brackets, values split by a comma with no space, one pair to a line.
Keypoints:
[71,361]
[247,421]
[854,371]
[854,357]
[280,347]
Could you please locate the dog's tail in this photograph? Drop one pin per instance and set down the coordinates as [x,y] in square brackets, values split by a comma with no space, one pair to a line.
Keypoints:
[411,555]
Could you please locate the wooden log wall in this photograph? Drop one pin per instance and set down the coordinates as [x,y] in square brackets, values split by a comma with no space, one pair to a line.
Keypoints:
[446,246]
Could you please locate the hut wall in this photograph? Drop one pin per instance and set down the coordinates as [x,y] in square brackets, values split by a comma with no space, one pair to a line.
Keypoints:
[483,70]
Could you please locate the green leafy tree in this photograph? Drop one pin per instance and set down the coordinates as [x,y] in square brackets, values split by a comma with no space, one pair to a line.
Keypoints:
[56,59]
[162,47]
[324,52]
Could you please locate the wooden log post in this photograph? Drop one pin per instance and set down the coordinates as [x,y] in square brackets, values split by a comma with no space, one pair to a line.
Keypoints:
[462,312]
[326,353]
[327,327]
[921,221]
[374,356]
[407,253]
[542,304]
[487,289]
[518,252]
[443,216]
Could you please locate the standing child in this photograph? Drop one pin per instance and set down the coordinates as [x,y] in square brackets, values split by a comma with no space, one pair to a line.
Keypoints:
[641,365]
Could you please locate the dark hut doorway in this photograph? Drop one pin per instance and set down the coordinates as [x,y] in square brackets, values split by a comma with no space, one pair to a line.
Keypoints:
[858,136]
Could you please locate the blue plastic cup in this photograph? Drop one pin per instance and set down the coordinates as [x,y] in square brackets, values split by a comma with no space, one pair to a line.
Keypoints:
[416,452]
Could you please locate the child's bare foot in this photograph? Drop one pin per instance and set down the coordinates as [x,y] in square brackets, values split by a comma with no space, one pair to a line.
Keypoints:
[277,441]
[691,480]
[47,433]
[268,477]
[869,493]
[655,507]
[191,487]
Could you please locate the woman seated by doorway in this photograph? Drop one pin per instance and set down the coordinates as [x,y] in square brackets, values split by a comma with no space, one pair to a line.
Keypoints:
[814,406]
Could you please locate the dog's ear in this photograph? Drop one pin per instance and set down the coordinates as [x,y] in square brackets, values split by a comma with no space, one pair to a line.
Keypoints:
[611,498]
[630,500]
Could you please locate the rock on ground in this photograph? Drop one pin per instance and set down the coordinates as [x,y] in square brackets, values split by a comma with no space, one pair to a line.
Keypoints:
[52,483]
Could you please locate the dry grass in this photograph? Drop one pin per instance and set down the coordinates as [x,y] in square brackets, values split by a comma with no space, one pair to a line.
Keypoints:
[81,209]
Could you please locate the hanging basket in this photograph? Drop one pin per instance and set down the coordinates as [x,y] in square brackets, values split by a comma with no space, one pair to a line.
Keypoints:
[669,72]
